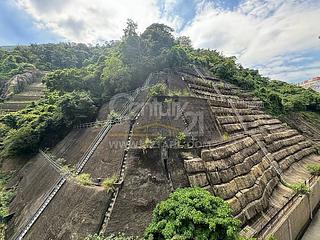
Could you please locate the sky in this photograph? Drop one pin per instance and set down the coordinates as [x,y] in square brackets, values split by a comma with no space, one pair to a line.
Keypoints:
[280,38]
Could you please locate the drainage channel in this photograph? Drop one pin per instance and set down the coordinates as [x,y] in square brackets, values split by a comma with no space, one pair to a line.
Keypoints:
[122,175]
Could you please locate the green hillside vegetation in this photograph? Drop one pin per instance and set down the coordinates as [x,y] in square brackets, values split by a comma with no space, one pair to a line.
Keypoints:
[45,122]
[93,74]
[278,97]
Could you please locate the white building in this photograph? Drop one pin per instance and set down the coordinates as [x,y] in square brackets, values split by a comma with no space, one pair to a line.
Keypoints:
[313,83]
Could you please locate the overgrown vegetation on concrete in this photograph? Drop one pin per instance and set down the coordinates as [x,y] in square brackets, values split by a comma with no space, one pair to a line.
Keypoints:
[5,198]
[300,188]
[314,169]
[84,179]
[108,183]
[43,123]
[181,138]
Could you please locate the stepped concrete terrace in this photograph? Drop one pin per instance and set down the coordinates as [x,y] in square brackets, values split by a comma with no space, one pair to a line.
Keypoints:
[31,93]
[238,152]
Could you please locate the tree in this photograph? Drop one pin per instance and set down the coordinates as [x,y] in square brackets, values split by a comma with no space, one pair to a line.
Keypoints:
[184,41]
[131,44]
[192,213]
[131,29]
[156,38]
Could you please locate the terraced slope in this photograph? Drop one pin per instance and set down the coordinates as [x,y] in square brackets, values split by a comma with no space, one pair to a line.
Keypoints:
[249,170]
[242,154]
[16,102]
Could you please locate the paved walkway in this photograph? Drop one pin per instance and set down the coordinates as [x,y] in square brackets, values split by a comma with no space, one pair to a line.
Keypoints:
[313,232]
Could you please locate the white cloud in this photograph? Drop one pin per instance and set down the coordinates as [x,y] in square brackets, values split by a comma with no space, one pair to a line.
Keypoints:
[258,32]
[94,20]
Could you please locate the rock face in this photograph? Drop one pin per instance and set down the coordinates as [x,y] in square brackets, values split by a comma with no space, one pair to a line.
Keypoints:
[237,152]
[18,82]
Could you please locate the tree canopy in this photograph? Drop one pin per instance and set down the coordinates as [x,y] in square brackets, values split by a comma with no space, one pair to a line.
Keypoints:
[192,213]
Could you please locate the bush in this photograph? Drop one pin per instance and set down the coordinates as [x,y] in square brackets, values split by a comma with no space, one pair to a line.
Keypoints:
[193,213]
[314,169]
[225,136]
[147,143]
[159,89]
[113,116]
[158,141]
[181,138]
[109,182]
[300,188]
[84,179]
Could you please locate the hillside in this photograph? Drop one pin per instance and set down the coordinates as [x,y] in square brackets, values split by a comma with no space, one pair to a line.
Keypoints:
[124,124]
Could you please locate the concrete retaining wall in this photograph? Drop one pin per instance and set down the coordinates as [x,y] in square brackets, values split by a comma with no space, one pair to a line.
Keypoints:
[294,222]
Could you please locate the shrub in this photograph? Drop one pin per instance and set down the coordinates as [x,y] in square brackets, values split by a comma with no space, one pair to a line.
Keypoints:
[148,143]
[84,179]
[113,116]
[41,125]
[300,188]
[225,136]
[159,140]
[314,169]
[193,213]
[158,90]
[181,138]
[109,182]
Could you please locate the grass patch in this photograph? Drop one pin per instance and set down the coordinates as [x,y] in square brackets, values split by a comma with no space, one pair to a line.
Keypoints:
[300,188]
[314,169]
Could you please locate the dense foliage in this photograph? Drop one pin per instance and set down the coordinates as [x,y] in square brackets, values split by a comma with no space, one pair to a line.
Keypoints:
[47,57]
[42,123]
[192,213]
[125,65]
[5,196]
